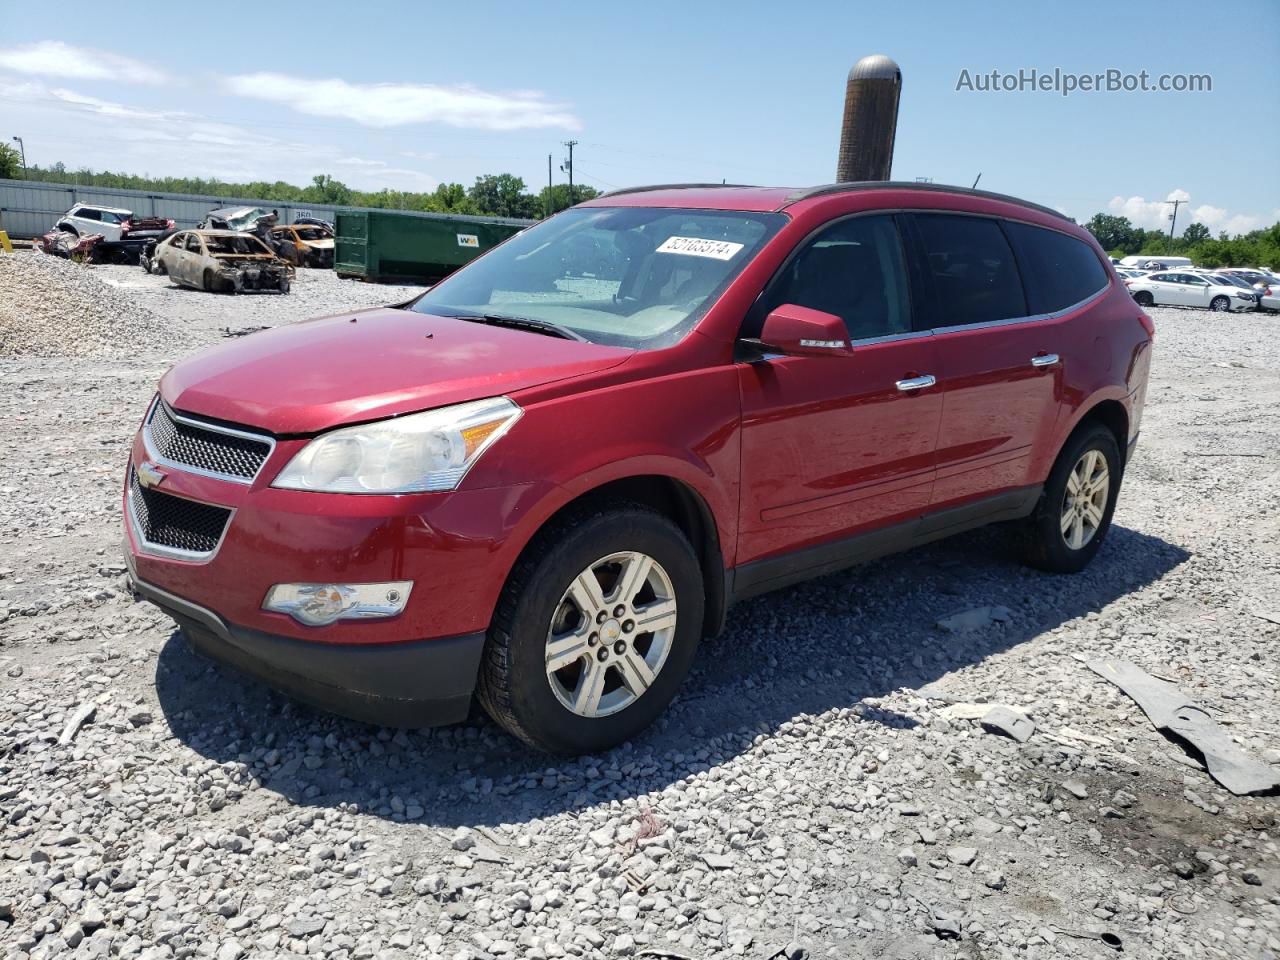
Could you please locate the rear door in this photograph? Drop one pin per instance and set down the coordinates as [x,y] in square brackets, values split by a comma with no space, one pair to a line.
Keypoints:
[1000,358]
[833,446]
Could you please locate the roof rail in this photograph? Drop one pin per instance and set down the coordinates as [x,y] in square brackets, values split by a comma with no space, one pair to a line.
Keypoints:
[829,188]
[672,186]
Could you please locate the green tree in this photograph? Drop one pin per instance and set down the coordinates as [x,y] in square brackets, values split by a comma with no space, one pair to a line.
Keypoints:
[325,189]
[501,195]
[451,198]
[10,162]
[1115,233]
[561,199]
[1195,233]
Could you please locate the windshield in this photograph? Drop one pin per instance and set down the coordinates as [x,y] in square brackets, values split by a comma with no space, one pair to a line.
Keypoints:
[625,276]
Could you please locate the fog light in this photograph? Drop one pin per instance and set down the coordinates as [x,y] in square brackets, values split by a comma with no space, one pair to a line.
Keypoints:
[316,604]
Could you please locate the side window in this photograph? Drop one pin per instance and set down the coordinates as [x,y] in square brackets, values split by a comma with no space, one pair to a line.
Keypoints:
[1161,277]
[972,269]
[1194,280]
[853,269]
[193,243]
[1058,269]
[177,241]
[85,213]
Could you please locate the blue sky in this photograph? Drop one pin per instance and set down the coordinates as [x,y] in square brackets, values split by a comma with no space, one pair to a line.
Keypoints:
[405,95]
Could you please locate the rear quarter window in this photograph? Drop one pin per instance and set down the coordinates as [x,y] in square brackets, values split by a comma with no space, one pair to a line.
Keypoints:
[1058,270]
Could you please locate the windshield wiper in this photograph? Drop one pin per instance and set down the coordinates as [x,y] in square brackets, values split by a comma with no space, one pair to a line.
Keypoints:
[524,323]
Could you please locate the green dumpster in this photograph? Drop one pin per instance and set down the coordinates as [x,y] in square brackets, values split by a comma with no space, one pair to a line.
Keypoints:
[395,245]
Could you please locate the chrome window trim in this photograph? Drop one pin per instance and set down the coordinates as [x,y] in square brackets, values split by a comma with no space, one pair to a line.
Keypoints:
[154,455]
[1035,318]
[173,553]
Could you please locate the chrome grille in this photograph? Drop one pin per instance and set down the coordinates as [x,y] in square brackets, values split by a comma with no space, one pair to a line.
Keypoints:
[174,523]
[205,448]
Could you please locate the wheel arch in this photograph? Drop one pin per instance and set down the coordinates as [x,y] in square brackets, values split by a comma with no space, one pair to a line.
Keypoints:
[679,502]
[1110,413]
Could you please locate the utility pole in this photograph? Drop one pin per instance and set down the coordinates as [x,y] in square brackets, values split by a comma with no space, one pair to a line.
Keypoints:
[1173,217]
[23,148]
[550,200]
[571,144]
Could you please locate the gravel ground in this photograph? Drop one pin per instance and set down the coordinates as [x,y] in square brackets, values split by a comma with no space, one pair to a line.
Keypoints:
[813,785]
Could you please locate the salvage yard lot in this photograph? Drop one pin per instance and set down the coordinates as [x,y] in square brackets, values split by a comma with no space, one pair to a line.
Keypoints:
[803,787]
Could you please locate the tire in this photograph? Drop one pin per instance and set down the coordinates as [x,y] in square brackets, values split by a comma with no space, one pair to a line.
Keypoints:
[1144,298]
[517,689]
[1220,304]
[206,282]
[145,263]
[284,285]
[1047,545]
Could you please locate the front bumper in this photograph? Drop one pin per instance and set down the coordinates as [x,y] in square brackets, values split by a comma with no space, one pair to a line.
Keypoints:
[410,684]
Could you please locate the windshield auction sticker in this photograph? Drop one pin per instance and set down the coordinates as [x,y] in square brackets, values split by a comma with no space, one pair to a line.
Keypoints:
[697,247]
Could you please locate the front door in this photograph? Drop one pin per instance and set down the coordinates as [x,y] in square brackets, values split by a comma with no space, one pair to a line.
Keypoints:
[835,446]
[1196,292]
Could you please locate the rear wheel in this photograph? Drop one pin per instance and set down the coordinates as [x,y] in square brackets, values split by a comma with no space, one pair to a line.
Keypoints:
[207,282]
[1074,512]
[1220,304]
[595,631]
[1144,298]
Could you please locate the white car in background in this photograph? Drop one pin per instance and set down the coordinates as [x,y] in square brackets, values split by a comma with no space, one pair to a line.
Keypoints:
[1129,273]
[1190,289]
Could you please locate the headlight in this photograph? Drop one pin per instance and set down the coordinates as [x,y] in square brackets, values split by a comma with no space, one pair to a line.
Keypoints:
[413,454]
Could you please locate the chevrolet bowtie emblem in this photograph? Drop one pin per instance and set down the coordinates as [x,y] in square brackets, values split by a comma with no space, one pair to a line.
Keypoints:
[149,475]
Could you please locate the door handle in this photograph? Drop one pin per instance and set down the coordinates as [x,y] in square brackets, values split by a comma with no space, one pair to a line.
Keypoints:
[1044,360]
[917,383]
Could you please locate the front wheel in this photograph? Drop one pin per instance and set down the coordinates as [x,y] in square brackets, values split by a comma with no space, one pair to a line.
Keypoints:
[594,632]
[1220,304]
[1074,512]
[1144,298]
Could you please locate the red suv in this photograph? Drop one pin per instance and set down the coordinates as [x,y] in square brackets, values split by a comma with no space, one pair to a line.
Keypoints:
[545,480]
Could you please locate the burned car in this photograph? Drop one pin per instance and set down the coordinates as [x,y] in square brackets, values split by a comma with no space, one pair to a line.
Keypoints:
[305,245]
[222,261]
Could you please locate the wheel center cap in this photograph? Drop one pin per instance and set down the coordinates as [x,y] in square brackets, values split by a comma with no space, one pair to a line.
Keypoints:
[610,630]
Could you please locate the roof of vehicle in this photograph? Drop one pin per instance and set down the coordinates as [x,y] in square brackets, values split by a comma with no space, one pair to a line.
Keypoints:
[720,196]
[95,206]
[224,212]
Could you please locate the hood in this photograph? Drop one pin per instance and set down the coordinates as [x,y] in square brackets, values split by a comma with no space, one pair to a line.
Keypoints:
[310,376]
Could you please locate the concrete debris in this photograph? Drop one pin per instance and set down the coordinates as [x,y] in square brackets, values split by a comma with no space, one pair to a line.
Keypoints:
[1010,722]
[1172,713]
[976,619]
[79,717]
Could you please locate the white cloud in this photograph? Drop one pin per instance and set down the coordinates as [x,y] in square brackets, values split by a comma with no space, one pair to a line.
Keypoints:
[1154,214]
[397,104]
[57,59]
[84,130]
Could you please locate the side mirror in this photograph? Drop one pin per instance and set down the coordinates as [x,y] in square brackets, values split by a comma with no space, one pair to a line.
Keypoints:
[799,331]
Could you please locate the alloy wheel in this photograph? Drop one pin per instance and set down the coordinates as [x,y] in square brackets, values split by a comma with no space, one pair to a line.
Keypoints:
[610,634]
[1085,502]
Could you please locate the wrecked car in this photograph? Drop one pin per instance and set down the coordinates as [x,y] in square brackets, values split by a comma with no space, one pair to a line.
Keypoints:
[124,234]
[69,246]
[305,245]
[222,261]
[239,219]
